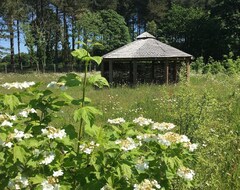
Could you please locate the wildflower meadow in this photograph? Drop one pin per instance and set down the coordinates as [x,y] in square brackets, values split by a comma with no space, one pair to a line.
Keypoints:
[59,132]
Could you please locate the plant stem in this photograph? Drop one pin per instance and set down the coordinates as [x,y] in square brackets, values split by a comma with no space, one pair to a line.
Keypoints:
[81,128]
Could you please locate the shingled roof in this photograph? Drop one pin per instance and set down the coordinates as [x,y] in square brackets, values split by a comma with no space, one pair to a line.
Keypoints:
[146,46]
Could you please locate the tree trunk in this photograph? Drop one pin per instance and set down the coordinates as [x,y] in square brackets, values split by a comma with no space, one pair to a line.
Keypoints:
[11,32]
[65,46]
[56,40]
[18,42]
[73,33]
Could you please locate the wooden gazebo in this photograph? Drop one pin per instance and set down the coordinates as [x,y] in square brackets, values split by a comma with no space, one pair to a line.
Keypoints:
[145,60]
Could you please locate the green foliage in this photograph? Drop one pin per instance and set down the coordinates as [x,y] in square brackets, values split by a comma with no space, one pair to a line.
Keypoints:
[228,66]
[114,30]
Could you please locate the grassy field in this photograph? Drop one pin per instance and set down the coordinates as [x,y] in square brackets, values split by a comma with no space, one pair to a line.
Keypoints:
[207,110]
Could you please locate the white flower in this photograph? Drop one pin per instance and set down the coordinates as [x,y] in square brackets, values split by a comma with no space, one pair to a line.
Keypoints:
[48,159]
[53,133]
[7,144]
[26,112]
[186,173]
[18,85]
[50,184]
[141,165]
[163,126]
[57,173]
[116,121]
[184,138]
[52,84]
[142,121]
[127,144]
[146,184]
[193,147]
[55,84]
[19,135]
[6,123]
[88,148]
[18,183]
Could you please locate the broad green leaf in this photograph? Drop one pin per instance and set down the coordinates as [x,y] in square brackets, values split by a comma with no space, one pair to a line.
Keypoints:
[98,80]
[126,170]
[80,53]
[37,179]
[96,59]
[71,79]
[19,154]
[11,100]
[67,96]
[86,113]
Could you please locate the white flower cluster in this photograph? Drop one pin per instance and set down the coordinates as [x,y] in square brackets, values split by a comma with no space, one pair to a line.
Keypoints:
[88,148]
[26,111]
[146,184]
[4,118]
[142,121]
[163,126]
[142,165]
[52,182]
[19,135]
[18,85]
[55,84]
[168,138]
[127,144]
[6,144]
[186,173]
[48,158]
[116,121]
[53,133]
[18,183]
[7,117]
[6,123]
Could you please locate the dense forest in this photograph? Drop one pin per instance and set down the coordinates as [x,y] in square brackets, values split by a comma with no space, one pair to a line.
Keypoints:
[53,28]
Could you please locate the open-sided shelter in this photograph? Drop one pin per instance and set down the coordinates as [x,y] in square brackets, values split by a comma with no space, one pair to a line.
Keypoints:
[145,60]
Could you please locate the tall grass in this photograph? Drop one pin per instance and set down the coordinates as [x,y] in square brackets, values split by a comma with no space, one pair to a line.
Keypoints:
[207,109]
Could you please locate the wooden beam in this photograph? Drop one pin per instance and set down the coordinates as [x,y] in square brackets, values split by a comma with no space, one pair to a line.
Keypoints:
[110,78]
[166,72]
[134,73]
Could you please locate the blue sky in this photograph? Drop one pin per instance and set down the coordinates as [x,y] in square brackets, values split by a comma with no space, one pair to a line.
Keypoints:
[6,44]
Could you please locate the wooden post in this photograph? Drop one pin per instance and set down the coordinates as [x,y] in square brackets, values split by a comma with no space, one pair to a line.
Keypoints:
[134,73]
[188,69]
[102,69]
[110,72]
[175,72]
[166,72]
[152,74]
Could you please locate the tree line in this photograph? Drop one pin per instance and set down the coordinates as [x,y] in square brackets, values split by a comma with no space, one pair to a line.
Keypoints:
[51,28]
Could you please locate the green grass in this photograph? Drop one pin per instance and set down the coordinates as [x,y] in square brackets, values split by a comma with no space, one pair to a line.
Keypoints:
[207,109]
